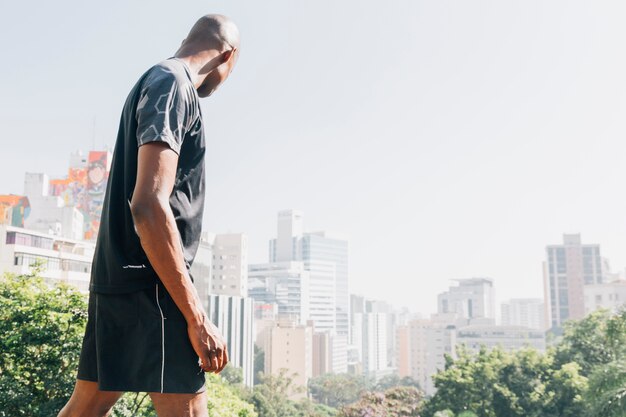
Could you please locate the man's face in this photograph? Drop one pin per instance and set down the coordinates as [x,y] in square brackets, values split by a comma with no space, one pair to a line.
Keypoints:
[216,77]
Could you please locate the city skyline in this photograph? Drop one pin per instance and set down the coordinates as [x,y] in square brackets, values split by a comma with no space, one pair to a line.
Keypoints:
[447,143]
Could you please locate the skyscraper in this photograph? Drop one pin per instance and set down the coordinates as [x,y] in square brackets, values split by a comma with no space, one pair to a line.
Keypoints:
[472,298]
[567,269]
[230,265]
[285,284]
[526,312]
[325,256]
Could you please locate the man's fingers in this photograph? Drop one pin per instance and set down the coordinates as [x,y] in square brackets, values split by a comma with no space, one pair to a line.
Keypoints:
[223,360]
[214,362]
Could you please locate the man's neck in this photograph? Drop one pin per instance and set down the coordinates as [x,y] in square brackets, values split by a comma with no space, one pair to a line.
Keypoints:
[197,64]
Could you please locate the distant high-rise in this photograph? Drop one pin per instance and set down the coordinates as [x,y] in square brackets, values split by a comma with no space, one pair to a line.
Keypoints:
[567,269]
[526,312]
[325,256]
[284,284]
[234,316]
[473,298]
[230,265]
[290,346]
[429,342]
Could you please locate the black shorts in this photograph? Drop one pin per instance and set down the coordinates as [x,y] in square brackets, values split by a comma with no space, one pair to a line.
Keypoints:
[138,342]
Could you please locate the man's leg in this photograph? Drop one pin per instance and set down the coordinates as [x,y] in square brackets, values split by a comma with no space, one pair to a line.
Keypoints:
[177,405]
[88,401]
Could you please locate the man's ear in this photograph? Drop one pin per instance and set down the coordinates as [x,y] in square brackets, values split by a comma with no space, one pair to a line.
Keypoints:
[227,55]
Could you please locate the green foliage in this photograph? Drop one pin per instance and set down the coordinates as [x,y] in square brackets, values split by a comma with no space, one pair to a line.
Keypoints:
[271,397]
[394,380]
[232,375]
[518,384]
[394,402]
[224,399]
[583,376]
[134,404]
[335,390]
[259,364]
[606,396]
[596,340]
[41,332]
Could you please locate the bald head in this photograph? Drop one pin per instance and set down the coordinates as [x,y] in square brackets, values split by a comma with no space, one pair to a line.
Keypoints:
[212,31]
[210,50]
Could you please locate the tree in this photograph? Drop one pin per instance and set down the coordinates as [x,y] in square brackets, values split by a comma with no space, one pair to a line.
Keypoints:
[394,402]
[224,399]
[41,332]
[394,380]
[513,384]
[606,396]
[596,340]
[259,364]
[335,390]
[271,398]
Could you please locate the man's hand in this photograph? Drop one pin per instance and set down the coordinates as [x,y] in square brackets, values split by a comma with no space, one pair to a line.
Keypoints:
[209,344]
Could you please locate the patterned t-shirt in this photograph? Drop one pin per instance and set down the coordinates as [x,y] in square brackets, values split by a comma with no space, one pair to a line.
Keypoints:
[162,107]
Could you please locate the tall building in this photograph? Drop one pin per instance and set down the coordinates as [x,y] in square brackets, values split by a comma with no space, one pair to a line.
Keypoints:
[403,364]
[429,341]
[526,312]
[289,346]
[234,316]
[472,298]
[230,265]
[61,259]
[609,295]
[567,269]
[325,256]
[284,284]
[374,343]
[48,213]
[321,354]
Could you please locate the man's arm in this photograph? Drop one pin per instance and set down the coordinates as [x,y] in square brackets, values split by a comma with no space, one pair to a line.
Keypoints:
[160,239]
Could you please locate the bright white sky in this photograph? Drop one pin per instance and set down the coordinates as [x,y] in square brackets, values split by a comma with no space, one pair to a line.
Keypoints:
[448,139]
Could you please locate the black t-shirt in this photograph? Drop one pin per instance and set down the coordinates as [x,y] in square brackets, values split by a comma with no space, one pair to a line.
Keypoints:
[162,107]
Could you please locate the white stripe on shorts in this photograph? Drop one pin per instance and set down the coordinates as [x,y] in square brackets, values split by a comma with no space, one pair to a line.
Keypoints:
[162,337]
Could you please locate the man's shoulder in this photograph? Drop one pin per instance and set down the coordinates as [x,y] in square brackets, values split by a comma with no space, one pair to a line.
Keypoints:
[168,71]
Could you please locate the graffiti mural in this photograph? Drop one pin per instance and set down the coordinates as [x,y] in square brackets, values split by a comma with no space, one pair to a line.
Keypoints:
[84,188]
[14,209]
[97,177]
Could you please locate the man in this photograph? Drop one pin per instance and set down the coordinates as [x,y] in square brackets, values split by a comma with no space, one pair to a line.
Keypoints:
[146,328]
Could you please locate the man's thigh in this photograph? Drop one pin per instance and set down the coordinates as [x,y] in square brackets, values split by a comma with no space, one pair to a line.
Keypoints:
[177,405]
[88,401]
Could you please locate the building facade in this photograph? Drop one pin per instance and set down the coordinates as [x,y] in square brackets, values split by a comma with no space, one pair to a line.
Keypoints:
[290,346]
[506,337]
[230,265]
[234,316]
[472,298]
[567,269]
[609,295]
[60,259]
[525,312]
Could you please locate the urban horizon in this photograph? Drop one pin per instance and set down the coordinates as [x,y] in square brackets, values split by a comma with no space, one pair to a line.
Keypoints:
[415,310]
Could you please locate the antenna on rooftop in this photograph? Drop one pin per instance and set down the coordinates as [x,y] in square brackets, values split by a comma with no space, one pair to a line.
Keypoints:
[93,138]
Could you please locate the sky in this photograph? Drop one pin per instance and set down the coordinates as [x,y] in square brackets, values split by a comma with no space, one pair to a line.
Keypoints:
[446,139]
